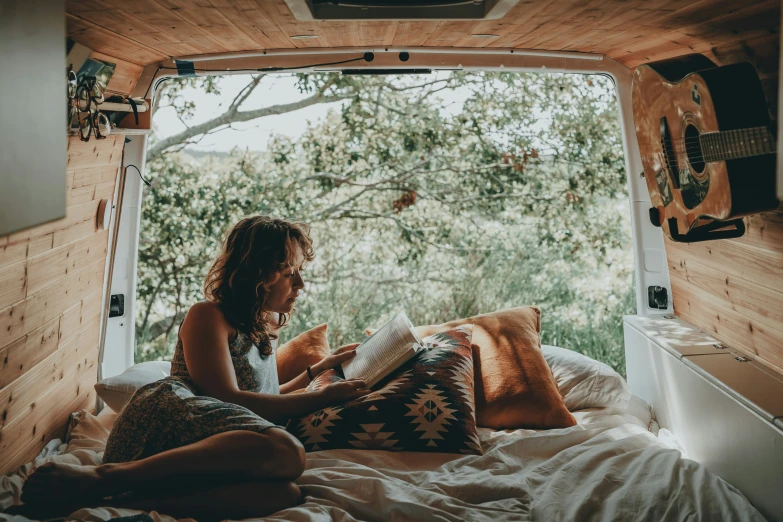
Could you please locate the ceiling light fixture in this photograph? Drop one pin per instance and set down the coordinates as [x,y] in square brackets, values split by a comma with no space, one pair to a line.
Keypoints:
[303,36]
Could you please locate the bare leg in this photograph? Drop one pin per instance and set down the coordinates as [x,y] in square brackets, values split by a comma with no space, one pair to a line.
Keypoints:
[227,457]
[254,498]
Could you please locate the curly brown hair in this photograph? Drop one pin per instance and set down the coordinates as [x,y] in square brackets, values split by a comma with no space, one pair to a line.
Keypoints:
[253,253]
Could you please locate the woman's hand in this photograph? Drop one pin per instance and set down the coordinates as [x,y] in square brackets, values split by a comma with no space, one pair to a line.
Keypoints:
[343,391]
[341,355]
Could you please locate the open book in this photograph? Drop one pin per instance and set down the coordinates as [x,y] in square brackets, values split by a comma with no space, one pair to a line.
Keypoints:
[384,351]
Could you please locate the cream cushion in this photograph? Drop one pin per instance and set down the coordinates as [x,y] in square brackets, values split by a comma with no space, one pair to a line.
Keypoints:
[584,382]
[116,391]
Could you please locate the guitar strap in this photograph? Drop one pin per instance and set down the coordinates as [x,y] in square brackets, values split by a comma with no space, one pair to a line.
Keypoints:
[135,109]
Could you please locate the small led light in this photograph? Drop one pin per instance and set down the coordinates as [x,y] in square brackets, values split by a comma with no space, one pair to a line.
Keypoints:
[485,35]
[303,36]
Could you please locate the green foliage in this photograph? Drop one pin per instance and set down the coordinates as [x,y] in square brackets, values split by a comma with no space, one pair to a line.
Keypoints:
[512,194]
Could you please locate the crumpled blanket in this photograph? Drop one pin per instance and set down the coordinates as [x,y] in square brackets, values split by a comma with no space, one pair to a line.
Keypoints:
[611,466]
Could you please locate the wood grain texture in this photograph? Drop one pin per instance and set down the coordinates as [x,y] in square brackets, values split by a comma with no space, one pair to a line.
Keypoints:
[655,98]
[28,351]
[632,31]
[50,424]
[733,288]
[51,298]
[107,42]
[125,75]
[23,317]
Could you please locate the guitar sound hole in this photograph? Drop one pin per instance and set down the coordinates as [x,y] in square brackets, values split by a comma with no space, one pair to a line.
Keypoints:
[693,150]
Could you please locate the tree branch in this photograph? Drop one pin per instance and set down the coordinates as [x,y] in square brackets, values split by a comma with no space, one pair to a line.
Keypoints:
[234,116]
[163,326]
[246,91]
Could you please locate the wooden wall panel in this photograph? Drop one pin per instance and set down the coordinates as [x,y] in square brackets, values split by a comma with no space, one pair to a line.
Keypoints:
[23,354]
[51,298]
[125,76]
[733,288]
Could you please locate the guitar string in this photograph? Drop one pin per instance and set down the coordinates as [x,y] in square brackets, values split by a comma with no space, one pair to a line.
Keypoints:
[725,155]
[702,158]
[744,149]
[683,155]
[724,134]
[742,143]
[722,147]
[696,152]
[699,152]
[762,135]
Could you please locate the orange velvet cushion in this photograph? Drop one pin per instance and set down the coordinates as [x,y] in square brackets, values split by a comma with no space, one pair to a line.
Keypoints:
[514,386]
[305,349]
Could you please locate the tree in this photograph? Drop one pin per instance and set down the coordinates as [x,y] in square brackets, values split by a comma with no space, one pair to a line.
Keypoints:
[414,203]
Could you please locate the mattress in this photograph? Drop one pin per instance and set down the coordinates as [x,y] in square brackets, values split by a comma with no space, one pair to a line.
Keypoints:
[613,465]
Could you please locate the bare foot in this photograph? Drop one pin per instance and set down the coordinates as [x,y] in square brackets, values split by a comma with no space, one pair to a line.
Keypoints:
[59,487]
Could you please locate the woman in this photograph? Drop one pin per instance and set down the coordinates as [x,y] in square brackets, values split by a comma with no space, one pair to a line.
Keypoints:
[208,441]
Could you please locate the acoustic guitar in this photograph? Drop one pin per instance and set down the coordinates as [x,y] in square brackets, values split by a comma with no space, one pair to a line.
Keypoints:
[706,144]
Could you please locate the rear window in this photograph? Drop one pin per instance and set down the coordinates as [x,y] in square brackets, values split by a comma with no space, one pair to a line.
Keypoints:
[446,195]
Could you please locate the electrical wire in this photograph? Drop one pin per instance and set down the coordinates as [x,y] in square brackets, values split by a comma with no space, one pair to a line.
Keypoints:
[140,175]
[366,57]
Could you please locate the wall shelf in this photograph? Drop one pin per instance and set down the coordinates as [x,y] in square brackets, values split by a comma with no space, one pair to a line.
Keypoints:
[123,131]
[121,107]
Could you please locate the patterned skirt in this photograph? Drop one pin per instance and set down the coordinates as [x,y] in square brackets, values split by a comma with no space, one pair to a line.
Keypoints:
[167,414]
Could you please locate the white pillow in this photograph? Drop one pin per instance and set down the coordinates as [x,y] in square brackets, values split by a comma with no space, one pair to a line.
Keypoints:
[584,382]
[116,391]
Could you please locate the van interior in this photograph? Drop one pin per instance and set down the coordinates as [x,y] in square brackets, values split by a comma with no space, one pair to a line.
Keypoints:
[694,430]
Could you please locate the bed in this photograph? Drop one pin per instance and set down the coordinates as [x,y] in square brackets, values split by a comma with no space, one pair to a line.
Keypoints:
[615,464]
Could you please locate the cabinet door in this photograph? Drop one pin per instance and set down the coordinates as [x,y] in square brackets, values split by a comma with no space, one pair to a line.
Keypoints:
[749,382]
[33,136]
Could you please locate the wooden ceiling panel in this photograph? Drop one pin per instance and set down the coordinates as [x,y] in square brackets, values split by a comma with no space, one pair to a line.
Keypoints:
[158,18]
[632,31]
[256,19]
[212,21]
[114,44]
[413,34]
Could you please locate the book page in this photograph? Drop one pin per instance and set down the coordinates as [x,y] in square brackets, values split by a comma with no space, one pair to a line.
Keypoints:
[379,351]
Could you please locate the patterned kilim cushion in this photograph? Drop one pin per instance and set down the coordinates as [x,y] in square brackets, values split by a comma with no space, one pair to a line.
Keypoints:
[425,405]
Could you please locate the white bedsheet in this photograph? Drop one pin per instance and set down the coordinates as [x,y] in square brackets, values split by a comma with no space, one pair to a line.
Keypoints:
[608,467]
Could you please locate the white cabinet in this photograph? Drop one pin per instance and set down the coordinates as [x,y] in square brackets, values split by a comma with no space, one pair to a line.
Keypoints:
[727,413]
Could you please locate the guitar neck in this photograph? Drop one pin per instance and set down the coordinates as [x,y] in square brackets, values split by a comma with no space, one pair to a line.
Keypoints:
[736,144]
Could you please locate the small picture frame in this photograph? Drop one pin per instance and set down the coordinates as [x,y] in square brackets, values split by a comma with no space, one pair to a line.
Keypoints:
[102,71]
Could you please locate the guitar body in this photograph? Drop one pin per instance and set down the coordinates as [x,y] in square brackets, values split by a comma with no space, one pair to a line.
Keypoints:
[695,170]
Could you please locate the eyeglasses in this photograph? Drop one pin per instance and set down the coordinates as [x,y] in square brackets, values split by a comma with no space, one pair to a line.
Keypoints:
[88,91]
[94,122]
[72,84]
[84,97]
